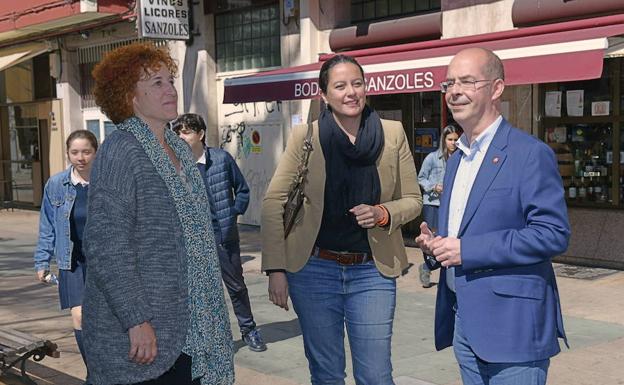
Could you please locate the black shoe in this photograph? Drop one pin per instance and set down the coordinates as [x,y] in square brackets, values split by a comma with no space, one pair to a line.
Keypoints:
[254,341]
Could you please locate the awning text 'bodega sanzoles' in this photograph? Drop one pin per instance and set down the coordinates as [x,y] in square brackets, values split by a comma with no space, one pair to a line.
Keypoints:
[553,53]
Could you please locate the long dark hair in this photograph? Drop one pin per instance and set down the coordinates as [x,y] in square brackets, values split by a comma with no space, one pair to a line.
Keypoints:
[452,128]
[324,73]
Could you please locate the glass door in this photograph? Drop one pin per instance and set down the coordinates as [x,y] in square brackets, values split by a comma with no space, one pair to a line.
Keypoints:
[24,152]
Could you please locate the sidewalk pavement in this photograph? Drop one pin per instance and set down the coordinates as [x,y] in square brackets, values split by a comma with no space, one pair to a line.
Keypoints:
[592,300]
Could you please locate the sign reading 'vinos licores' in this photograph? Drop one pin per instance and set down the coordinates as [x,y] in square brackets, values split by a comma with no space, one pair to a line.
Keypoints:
[164,19]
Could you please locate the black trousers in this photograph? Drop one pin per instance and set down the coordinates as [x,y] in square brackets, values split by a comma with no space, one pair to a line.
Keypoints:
[179,374]
[232,274]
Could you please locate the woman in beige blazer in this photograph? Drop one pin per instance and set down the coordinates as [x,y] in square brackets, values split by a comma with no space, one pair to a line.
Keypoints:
[340,261]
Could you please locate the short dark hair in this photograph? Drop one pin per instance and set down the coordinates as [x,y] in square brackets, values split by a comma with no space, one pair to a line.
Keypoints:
[82,134]
[190,121]
[324,73]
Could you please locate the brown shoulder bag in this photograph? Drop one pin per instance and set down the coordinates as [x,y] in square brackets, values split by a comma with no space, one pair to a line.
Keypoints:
[296,193]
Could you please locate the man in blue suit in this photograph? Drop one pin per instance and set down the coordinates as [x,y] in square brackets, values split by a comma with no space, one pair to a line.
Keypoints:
[502,218]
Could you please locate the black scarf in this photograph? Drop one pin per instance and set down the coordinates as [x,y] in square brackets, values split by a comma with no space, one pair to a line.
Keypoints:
[352,176]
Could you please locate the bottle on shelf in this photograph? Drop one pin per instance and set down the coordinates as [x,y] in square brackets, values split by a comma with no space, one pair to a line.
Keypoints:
[598,193]
[572,190]
[590,190]
[582,190]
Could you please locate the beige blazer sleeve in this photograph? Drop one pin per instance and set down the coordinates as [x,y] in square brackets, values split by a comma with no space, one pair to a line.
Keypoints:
[272,225]
[406,203]
[400,194]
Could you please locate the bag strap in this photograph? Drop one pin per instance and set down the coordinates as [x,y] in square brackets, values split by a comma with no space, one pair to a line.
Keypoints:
[307,149]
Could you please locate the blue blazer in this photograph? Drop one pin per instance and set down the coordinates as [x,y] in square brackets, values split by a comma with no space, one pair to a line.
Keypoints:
[514,223]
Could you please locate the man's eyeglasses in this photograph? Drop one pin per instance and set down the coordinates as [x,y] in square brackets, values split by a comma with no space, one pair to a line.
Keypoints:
[464,85]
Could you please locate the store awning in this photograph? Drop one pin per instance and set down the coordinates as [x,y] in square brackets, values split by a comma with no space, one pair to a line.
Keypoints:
[14,55]
[543,54]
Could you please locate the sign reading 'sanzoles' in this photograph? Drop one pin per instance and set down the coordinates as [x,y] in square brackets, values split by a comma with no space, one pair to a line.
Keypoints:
[164,19]
[376,84]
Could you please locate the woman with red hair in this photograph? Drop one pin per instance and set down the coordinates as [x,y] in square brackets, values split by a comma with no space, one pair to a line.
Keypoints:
[154,309]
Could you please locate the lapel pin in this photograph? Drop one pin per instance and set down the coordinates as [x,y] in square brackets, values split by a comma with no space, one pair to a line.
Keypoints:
[495,160]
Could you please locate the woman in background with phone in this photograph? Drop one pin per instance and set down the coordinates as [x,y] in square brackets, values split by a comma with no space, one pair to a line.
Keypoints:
[430,179]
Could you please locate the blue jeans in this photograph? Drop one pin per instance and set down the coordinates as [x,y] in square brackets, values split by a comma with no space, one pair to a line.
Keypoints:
[475,371]
[327,296]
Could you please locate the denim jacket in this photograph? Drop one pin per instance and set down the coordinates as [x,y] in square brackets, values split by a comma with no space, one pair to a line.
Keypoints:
[54,229]
[432,173]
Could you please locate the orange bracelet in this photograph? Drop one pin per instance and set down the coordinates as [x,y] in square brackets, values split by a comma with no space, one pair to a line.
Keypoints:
[385,218]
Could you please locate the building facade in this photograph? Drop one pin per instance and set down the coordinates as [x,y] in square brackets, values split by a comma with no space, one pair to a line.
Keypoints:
[44,82]
[563,73]
[48,49]
[249,67]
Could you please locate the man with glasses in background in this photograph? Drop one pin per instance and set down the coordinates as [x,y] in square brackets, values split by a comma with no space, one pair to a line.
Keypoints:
[502,218]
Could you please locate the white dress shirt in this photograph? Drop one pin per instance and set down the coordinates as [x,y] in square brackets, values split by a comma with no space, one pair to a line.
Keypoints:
[469,165]
[202,158]
[76,179]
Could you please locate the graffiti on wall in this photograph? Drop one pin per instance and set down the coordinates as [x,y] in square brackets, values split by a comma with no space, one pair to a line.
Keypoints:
[246,143]
[257,108]
[235,135]
[253,134]
[234,131]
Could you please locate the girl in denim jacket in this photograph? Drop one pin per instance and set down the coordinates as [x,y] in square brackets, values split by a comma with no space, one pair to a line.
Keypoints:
[430,179]
[61,224]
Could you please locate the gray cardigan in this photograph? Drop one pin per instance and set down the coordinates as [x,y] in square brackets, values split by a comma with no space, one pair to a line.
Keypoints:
[137,267]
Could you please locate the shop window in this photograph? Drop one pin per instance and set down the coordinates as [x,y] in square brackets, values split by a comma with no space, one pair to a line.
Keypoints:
[44,84]
[580,122]
[427,107]
[28,81]
[214,6]
[370,10]
[19,82]
[24,150]
[585,157]
[248,38]
[101,132]
[94,126]
[420,114]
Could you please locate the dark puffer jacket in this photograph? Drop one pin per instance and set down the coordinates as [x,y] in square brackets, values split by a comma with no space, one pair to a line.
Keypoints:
[227,190]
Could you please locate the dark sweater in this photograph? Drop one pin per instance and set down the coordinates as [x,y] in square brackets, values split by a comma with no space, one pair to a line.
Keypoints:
[77,221]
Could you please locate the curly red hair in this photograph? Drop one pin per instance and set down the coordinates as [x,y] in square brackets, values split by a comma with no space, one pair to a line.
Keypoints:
[117,74]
